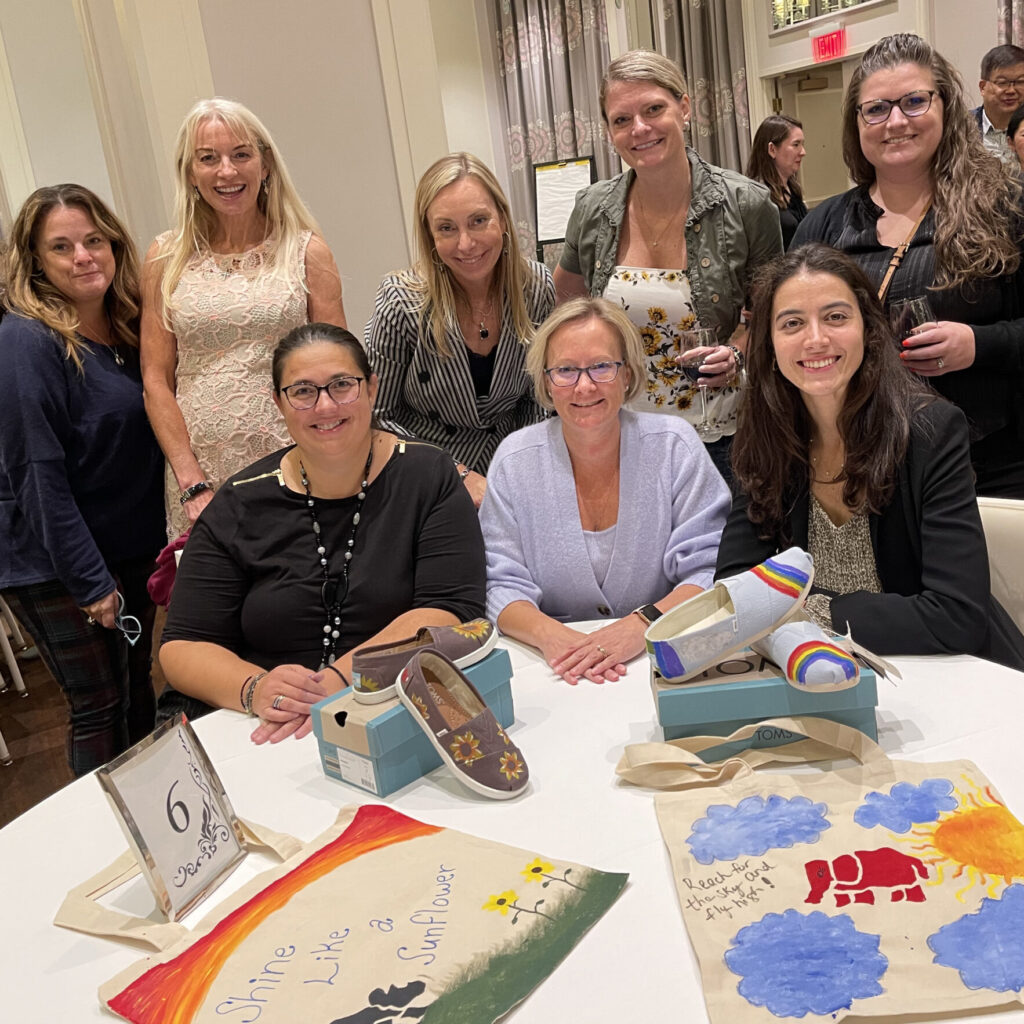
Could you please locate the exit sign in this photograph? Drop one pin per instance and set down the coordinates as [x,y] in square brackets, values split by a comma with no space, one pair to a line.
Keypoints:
[829,46]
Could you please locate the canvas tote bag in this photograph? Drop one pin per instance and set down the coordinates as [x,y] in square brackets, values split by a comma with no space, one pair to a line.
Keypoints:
[380,918]
[890,888]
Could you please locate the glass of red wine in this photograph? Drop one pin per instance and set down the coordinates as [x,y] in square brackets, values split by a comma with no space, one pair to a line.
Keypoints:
[695,338]
[907,315]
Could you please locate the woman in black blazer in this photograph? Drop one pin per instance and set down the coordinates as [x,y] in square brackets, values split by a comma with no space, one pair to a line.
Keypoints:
[842,451]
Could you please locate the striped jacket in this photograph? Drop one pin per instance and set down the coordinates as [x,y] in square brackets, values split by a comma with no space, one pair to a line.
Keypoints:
[432,397]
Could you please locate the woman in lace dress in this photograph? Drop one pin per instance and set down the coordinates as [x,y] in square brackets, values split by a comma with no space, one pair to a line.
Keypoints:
[842,452]
[242,267]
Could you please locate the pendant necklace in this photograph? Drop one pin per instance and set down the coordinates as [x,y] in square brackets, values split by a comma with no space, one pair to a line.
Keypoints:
[333,592]
[647,226]
[484,333]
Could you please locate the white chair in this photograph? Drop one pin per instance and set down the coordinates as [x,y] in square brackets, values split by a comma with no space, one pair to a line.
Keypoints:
[7,620]
[1003,522]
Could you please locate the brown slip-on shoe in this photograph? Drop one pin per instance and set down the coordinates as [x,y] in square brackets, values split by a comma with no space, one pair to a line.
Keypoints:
[462,727]
[375,669]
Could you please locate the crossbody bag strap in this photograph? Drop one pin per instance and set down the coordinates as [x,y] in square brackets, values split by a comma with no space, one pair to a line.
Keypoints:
[901,251]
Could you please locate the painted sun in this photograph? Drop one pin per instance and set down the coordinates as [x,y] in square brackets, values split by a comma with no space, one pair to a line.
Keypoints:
[980,841]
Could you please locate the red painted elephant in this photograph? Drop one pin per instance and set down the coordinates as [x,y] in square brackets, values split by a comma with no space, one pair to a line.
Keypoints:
[855,876]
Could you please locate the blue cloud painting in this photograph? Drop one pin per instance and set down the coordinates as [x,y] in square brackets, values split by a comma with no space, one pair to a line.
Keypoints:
[907,805]
[755,826]
[986,947]
[794,964]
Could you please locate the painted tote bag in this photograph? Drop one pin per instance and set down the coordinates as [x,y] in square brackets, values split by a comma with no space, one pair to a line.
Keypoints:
[381,918]
[890,888]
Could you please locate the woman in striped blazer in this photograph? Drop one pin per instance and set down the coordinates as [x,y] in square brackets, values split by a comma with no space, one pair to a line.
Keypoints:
[448,335]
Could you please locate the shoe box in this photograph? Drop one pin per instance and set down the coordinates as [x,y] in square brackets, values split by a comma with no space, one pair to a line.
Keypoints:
[746,687]
[380,747]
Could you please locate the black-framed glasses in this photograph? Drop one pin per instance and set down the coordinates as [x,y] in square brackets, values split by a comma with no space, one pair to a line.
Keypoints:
[568,376]
[1007,83]
[913,104]
[304,395]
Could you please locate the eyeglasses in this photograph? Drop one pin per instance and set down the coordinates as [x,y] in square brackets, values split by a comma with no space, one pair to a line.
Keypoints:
[131,628]
[913,104]
[1006,83]
[568,376]
[305,396]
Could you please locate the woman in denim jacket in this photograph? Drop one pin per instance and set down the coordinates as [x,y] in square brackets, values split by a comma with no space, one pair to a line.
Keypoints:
[674,241]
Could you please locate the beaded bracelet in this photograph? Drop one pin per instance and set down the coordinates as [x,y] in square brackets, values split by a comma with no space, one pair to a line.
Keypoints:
[250,693]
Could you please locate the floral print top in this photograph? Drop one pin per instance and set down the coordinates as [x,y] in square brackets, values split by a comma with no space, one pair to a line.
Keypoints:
[660,303]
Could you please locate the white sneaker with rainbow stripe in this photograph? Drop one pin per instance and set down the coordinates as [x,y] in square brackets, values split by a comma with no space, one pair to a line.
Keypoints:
[736,611]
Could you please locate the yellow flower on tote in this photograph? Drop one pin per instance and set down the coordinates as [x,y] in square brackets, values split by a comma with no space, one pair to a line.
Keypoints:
[510,765]
[466,748]
[421,704]
[501,903]
[536,870]
[478,629]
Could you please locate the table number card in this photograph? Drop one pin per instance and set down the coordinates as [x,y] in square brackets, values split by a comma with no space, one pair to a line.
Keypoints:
[176,816]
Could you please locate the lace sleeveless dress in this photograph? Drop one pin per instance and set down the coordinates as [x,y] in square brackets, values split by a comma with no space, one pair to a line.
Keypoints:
[227,315]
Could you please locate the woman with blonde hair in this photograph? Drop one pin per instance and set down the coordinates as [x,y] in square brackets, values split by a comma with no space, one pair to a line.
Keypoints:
[599,513]
[775,157]
[674,241]
[81,506]
[934,215]
[448,335]
[244,264]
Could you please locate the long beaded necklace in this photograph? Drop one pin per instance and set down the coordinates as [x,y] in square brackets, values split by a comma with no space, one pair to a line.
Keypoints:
[333,592]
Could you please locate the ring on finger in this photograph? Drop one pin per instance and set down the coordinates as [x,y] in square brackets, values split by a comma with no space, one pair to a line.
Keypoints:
[277,702]
[602,650]
[939,363]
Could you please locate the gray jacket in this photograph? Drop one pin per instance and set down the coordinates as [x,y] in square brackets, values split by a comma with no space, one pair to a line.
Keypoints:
[732,227]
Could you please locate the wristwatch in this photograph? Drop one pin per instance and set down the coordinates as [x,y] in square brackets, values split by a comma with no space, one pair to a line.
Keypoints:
[648,612]
[190,492]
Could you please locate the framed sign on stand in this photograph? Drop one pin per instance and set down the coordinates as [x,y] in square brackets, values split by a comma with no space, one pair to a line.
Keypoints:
[555,187]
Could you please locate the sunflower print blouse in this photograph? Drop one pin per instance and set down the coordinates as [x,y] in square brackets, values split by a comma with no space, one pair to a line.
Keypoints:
[659,303]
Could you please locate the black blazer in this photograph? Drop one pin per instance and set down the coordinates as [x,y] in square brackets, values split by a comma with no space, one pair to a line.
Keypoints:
[929,550]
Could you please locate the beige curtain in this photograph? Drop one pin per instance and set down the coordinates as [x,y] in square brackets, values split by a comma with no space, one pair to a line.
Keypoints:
[705,37]
[1010,14]
[551,55]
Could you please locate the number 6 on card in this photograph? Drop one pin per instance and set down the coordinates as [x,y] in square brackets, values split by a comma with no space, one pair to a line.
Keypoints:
[176,816]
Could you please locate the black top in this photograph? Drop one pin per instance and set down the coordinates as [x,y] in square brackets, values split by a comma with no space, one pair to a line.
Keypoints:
[81,474]
[481,369]
[250,578]
[790,217]
[988,391]
[929,551]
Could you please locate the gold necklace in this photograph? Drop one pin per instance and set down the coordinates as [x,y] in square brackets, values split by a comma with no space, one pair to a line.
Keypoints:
[646,227]
[830,478]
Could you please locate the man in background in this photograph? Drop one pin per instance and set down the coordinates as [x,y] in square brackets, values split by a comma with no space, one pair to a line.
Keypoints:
[1002,91]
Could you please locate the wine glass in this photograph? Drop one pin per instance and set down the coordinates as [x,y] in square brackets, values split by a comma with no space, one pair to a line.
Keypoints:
[907,315]
[697,337]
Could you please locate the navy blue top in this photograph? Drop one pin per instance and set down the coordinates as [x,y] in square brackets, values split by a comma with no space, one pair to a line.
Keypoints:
[81,474]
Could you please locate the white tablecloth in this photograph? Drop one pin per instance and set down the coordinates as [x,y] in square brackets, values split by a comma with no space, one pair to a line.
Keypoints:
[636,964]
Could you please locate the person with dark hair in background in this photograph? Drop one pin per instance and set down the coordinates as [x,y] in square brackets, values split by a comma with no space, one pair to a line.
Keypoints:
[351,536]
[1015,135]
[81,506]
[934,216]
[775,157]
[1002,91]
[843,453]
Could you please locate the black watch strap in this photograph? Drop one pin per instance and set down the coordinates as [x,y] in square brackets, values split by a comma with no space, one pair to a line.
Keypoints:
[648,612]
[190,492]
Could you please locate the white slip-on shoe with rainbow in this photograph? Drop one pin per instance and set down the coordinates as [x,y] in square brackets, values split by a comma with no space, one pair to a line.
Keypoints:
[736,611]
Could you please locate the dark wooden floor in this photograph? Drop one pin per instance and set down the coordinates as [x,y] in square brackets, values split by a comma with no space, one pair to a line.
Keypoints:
[34,728]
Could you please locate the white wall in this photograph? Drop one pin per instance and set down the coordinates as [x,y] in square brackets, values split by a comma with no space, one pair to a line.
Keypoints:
[310,71]
[963,33]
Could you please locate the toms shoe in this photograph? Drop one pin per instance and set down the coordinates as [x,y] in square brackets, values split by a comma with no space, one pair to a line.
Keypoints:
[736,611]
[462,727]
[375,669]
[807,657]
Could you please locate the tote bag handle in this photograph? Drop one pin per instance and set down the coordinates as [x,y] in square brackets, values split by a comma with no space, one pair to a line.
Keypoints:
[81,913]
[676,764]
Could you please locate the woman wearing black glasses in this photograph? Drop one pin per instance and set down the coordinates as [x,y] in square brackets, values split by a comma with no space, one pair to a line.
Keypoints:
[600,513]
[81,517]
[350,536]
[934,215]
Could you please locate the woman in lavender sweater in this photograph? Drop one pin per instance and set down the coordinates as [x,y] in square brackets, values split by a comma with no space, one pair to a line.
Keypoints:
[600,513]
